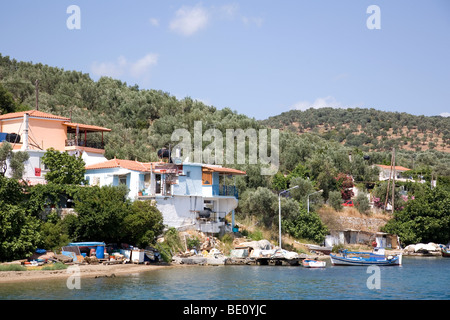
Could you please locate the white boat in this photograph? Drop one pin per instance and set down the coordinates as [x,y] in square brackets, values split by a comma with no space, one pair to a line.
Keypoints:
[313,263]
[377,258]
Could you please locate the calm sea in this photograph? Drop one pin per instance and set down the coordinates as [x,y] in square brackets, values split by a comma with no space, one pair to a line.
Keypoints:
[418,278]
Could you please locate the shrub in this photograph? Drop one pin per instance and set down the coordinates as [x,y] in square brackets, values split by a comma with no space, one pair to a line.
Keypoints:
[335,199]
[362,202]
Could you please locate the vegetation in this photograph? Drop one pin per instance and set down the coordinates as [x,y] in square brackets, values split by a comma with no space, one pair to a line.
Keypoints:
[369,129]
[426,218]
[319,150]
[63,168]
[16,160]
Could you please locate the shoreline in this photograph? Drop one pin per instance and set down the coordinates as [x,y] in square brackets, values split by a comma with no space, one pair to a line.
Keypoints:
[91,271]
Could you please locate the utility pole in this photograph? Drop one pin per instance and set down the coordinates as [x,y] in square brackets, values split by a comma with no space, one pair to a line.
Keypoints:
[389,181]
[36,85]
[393,180]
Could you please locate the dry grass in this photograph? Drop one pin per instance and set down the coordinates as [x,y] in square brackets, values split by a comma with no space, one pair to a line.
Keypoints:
[352,212]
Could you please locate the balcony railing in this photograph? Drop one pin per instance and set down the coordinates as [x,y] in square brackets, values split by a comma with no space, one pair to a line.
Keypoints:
[83,143]
[223,190]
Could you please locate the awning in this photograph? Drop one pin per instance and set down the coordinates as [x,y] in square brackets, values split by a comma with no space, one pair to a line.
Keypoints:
[72,127]
[224,170]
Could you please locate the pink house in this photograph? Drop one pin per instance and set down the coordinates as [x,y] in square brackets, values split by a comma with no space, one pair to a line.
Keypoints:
[36,131]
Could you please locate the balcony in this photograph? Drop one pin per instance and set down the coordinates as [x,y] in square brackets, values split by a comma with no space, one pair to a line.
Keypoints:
[224,190]
[83,143]
[85,136]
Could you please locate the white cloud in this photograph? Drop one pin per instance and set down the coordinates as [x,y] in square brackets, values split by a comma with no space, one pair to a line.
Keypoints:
[143,65]
[189,20]
[257,21]
[122,67]
[327,102]
[445,114]
[110,69]
[154,22]
[228,10]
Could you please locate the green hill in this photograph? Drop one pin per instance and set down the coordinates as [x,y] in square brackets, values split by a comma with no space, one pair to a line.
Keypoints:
[369,129]
[142,122]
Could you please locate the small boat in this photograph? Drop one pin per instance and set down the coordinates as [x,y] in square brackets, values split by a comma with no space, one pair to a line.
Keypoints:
[366,259]
[313,263]
[324,250]
[445,252]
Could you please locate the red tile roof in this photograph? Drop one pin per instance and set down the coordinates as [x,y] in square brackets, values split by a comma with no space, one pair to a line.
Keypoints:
[397,168]
[118,163]
[32,113]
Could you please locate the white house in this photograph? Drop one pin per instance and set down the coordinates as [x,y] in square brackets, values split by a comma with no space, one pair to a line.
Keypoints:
[188,194]
[386,173]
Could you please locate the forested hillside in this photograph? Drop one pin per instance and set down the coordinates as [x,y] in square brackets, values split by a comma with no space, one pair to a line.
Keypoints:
[142,121]
[369,129]
[314,145]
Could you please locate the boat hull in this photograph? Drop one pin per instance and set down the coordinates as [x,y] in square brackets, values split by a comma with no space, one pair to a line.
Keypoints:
[359,261]
[313,264]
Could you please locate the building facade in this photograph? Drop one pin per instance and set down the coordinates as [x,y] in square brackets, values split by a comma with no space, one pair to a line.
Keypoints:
[35,131]
[189,195]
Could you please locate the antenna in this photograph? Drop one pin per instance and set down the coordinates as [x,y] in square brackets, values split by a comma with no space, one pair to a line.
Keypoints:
[36,84]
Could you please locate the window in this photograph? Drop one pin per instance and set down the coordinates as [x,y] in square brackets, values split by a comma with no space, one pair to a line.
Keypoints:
[123,179]
[206,178]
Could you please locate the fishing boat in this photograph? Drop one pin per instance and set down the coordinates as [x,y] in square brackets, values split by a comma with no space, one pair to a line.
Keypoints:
[377,258]
[313,263]
[445,252]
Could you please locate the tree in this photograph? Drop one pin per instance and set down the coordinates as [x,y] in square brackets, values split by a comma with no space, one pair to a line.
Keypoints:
[424,219]
[5,151]
[261,203]
[335,199]
[344,183]
[7,103]
[64,168]
[100,214]
[362,202]
[16,163]
[305,225]
[143,224]
[16,160]
[19,231]
[53,234]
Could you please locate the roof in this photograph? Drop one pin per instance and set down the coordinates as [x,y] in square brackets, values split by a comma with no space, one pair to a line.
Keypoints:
[118,163]
[32,113]
[225,170]
[85,127]
[397,168]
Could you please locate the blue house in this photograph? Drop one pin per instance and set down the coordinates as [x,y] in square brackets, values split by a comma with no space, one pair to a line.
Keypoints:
[189,195]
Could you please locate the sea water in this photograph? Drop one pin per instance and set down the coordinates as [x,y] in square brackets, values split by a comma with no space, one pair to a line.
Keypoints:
[418,278]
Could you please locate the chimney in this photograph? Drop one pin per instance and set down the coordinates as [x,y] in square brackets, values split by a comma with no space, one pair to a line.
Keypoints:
[25,132]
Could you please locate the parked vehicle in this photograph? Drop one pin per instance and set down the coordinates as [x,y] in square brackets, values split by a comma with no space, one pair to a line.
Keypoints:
[348,203]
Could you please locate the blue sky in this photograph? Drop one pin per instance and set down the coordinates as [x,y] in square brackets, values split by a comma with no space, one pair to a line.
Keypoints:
[259,58]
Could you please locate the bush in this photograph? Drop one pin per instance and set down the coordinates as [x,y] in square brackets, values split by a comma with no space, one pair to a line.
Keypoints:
[12,267]
[306,226]
[335,199]
[362,202]
[144,224]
